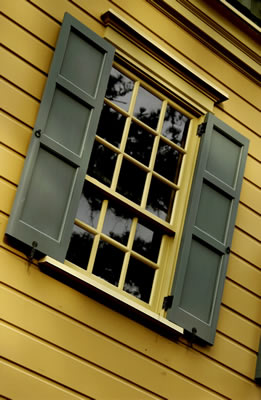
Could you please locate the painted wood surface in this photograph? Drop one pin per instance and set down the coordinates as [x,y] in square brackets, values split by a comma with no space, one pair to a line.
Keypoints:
[60,343]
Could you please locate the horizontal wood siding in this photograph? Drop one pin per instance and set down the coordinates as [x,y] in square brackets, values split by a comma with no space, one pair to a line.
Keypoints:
[58,342]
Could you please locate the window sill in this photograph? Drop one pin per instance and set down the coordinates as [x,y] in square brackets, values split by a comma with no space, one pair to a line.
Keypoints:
[103,294]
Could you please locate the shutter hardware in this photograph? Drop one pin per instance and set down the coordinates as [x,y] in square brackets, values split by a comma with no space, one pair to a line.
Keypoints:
[167,302]
[38,133]
[32,252]
[201,129]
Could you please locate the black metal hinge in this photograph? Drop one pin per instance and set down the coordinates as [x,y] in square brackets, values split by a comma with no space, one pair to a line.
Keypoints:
[201,129]
[167,302]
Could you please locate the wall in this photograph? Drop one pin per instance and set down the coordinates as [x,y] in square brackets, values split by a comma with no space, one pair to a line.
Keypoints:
[60,344]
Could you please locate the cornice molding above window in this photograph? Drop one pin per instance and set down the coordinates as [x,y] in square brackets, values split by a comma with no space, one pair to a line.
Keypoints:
[216,35]
[191,77]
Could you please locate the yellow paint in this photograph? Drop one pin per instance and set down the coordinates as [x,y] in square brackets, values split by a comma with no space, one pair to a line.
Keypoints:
[60,343]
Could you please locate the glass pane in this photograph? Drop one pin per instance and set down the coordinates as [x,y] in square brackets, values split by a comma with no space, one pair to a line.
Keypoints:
[175,126]
[147,108]
[147,242]
[108,263]
[139,280]
[80,247]
[168,162]
[139,143]
[160,200]
[119,89]
[102,163]
[111,125]
[67,121]
[117,223]
[89,205]
[213,212]
[131,181]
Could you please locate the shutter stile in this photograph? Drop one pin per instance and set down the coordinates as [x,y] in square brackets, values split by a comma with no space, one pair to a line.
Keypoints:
[208,230]
[49,191]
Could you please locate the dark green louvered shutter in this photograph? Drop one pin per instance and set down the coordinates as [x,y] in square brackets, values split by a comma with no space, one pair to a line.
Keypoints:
[258,366]
[57,160]
[208,230]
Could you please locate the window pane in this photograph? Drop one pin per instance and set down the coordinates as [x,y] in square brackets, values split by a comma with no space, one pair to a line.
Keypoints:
[139,280]
[175,126]
[102,163]
[131,181]
[111,125]
[168,162]
[160,200]
[117,223]
[80,247]
[119,89]
[147,242]
[139,143]
[89,205]
[108,263]
[147,108]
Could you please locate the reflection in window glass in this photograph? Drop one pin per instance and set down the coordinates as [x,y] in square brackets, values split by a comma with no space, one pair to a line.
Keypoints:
[175,126]
[147,108]
[89,205]
[102,163]
[160,200]
[108,263]
[117,223]
[168,162]
[111,125]
[119,89]
[147,242]
[139,144]
[80,247]
[139,280]
[131,181]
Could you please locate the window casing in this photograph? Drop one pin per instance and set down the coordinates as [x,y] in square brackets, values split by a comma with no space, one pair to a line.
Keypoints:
[126,221]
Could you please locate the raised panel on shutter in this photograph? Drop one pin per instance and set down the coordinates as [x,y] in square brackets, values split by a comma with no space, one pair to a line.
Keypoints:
[49,191]
[204,251]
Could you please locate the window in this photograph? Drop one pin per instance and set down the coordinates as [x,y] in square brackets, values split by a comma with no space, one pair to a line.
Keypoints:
[112,206]
[125,217]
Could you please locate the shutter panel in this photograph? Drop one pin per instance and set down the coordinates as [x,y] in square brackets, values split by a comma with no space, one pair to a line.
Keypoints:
[49,191]
[203,257]
[258,366]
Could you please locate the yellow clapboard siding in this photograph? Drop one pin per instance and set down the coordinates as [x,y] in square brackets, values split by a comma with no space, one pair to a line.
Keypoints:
[246,247]
[14,134]
[251,196]
[238,328]
[242,301]
[253,170]
[244,274]
[81,308]
[18,383]
[58,8]
[22,74]
[32,19]
[19,104]
[92,346]
[25,45]
[219,71]
[7,196]
[11,164]
[76,373]
[249,221]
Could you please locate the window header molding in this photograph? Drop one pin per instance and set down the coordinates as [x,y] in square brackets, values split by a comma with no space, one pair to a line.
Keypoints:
[219,36]
[189,78]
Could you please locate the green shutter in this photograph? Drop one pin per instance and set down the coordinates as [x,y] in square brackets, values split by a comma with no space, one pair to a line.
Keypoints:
[203,257]
[258,366]
[49,191]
